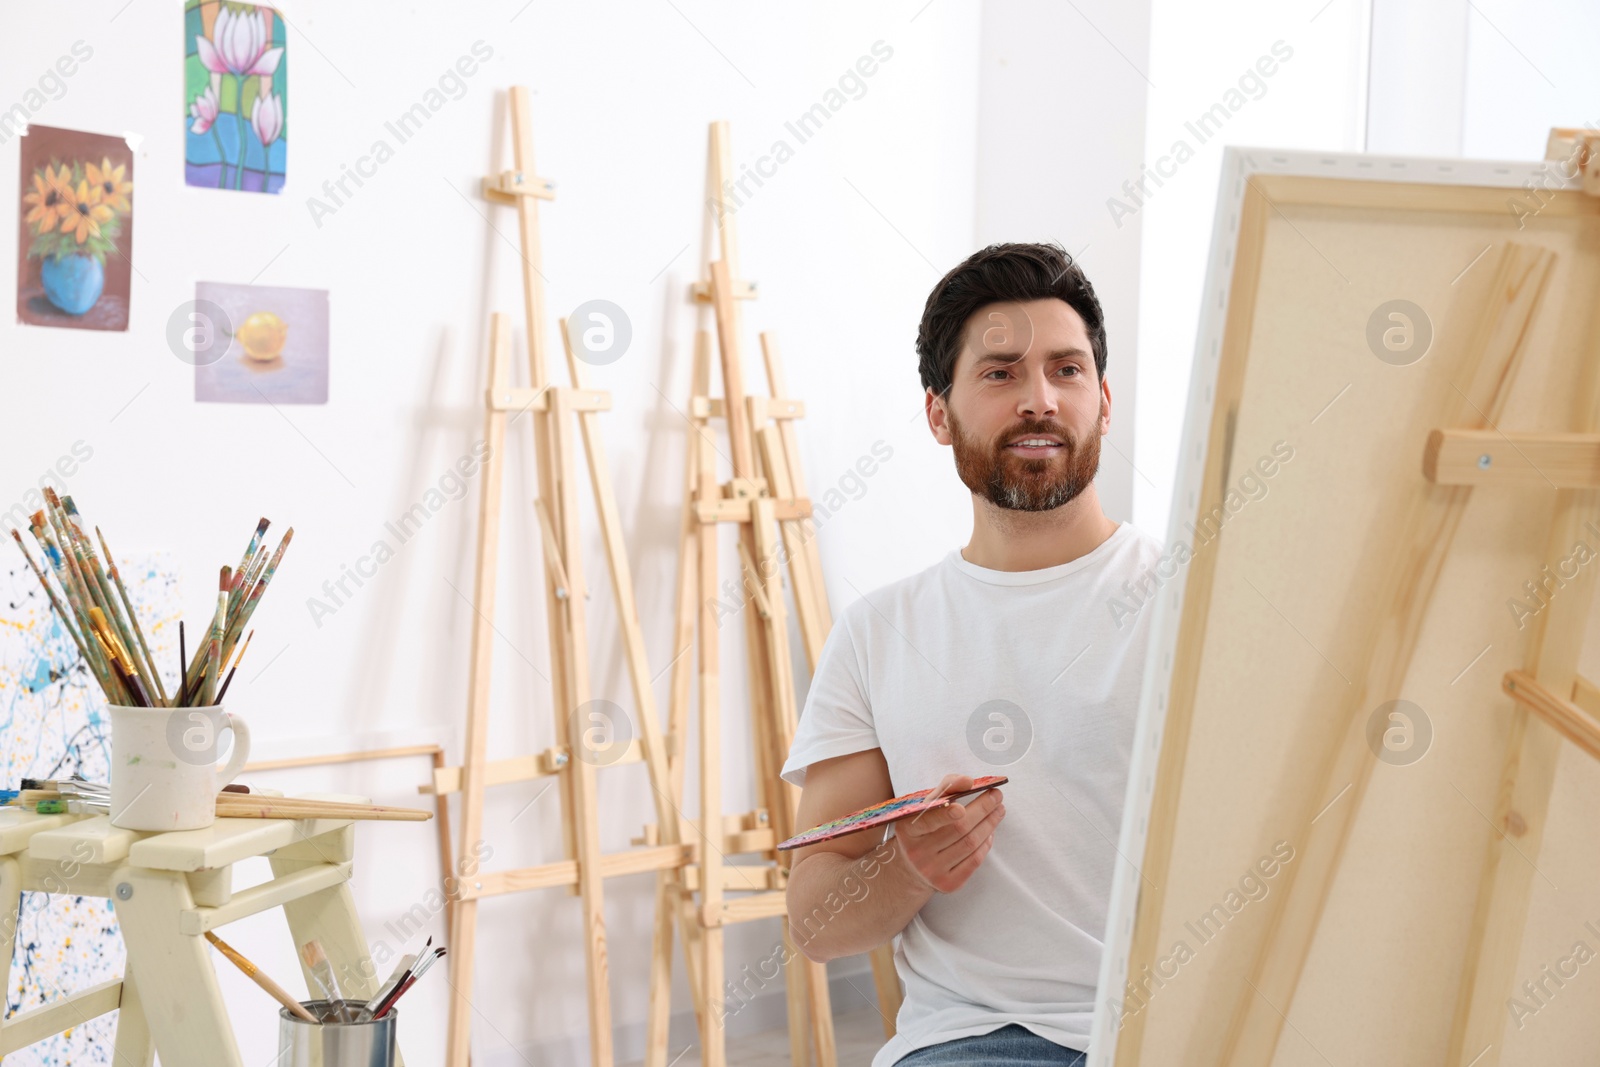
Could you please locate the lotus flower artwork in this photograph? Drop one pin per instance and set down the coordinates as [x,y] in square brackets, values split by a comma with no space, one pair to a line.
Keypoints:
[75,229]
[203,110]
[266,118]
[235,98]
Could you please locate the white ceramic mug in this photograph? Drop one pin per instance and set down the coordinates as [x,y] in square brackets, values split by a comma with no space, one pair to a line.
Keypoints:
[164,769]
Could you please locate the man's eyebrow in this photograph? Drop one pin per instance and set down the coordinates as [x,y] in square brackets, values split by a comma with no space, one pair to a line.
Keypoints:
[1008,358]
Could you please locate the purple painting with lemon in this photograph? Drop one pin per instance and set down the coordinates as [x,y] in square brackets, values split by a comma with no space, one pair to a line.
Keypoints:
[259,344]
[235,96]
[888,811]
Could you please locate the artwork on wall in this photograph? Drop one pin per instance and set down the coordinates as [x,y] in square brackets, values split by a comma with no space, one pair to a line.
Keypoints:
[75,230]
[56,726]
[273,345]
[235,96]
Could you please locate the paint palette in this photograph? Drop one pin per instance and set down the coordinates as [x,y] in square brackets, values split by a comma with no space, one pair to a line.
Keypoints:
[888,811]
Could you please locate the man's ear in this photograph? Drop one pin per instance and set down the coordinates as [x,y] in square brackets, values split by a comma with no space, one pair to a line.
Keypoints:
[938,415]
[1105,407]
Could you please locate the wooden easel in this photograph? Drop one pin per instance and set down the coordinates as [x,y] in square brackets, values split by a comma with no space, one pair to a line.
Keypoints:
[1467,450]
[763,497]
[554,408]
[1527,776]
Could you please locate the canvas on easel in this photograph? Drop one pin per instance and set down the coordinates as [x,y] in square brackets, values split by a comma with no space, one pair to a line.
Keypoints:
[1347,842]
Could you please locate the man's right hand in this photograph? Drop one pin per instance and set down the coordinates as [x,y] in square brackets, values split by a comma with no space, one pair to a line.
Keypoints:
[945,845]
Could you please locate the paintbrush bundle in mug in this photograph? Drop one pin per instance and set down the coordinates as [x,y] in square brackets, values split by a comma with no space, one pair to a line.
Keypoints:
[94,608]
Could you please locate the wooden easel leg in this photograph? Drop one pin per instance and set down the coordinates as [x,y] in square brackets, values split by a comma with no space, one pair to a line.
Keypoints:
[463,914]
[579,773]
[673,903]
[772,640]
[700,441]
[134,1046]
[714,1052]
[441,815]
[591,885]
[463,932]
[659,1018]
[179,993]
[713,1037]
[551,499]
[1526,781]
[594,920]
[782,455]
[821,1002]
[887,981]
[673,906]
[797,991]
[693,948]
[760,677]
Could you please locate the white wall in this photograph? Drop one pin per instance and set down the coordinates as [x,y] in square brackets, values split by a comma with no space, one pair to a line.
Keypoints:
[1527,69]
[1418,64]
[1204,56]
[846,239]
[1062,121]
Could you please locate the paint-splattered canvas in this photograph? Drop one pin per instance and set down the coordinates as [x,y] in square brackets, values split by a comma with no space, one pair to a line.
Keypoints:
[888,811]
[74,229]
[53,724]
[236,102]
[270,347]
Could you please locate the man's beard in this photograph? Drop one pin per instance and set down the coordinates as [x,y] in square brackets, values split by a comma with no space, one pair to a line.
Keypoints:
[1018,483]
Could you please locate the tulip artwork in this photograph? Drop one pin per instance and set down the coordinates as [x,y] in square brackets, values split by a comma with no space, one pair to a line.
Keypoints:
[235,96]
[75,230]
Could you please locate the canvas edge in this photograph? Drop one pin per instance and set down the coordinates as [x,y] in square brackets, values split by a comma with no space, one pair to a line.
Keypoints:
[1239,164]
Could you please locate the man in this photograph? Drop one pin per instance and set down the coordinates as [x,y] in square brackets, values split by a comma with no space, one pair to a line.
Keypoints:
[1003,658]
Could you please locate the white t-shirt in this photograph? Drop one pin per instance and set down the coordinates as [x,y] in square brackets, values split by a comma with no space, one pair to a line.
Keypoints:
[1031,674]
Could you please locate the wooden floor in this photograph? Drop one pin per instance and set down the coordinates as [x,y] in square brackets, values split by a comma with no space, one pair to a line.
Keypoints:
[857,1035]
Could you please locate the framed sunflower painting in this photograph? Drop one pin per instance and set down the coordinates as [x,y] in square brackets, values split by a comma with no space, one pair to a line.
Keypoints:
[235,96]
[75,230]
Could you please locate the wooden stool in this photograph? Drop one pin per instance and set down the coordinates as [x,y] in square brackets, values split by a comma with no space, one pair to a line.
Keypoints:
[168,890]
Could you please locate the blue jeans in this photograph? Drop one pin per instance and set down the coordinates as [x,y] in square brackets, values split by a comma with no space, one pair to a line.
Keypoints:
[1012,1045]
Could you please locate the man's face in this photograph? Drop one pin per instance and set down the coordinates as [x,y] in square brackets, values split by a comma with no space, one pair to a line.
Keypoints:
[1026,407]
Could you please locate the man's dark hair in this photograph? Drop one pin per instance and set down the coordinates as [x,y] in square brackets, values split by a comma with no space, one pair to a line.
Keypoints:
[1011,272]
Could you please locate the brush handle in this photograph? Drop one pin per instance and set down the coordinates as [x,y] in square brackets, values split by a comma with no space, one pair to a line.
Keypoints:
[276,991]
[391,983]
[389,1002]
[251,806]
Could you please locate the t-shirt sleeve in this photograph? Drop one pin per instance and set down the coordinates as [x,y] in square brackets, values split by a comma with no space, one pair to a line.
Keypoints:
[837,718]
